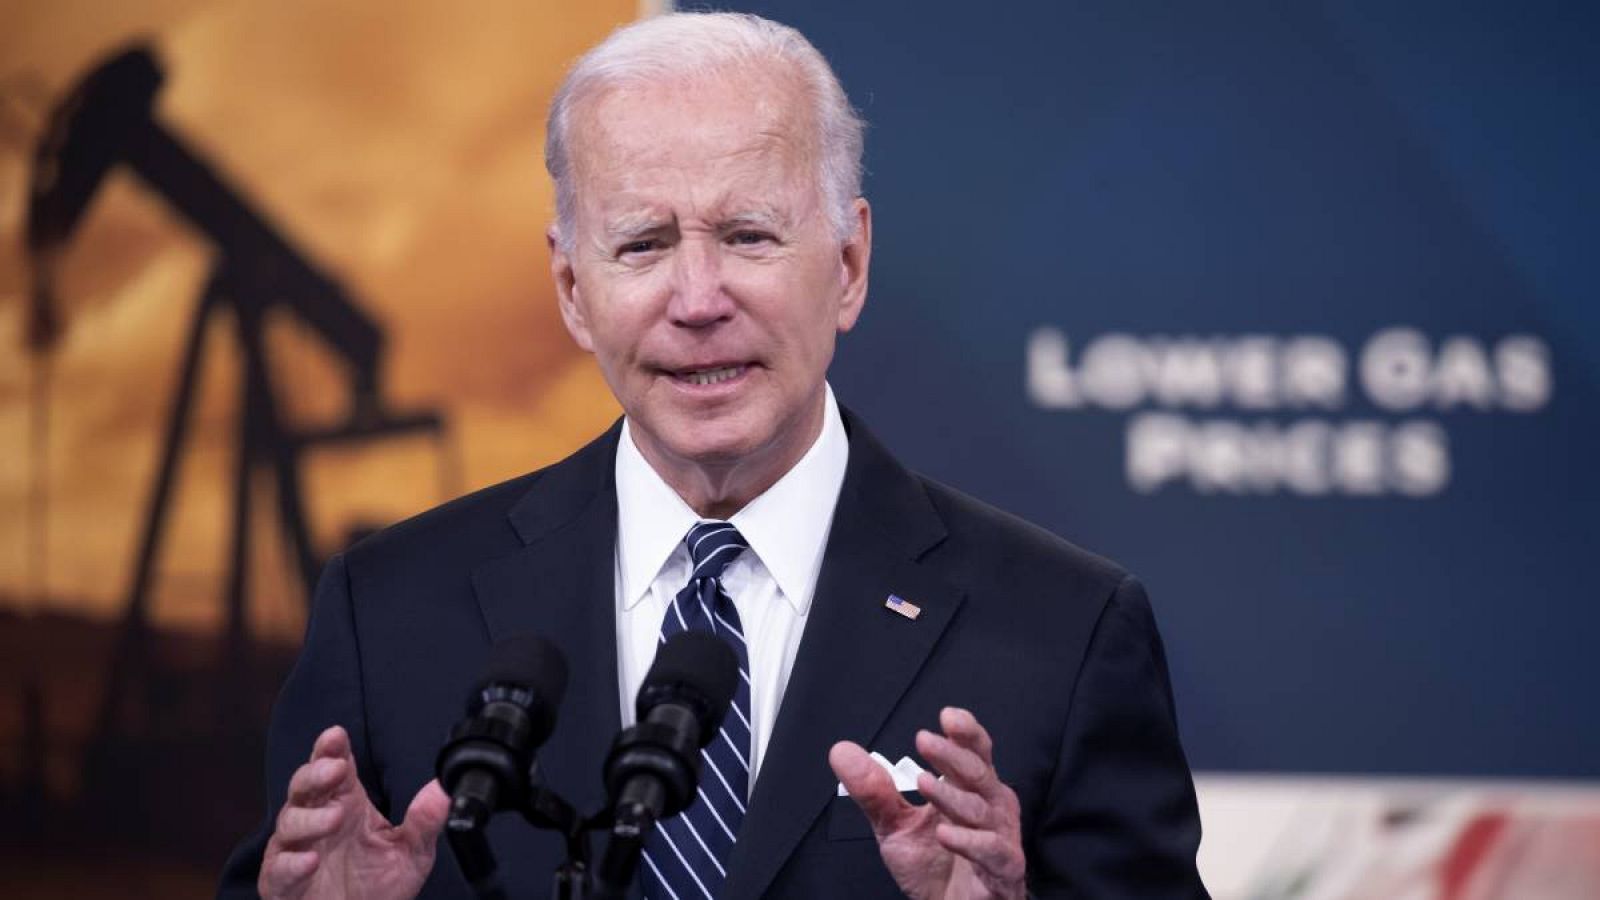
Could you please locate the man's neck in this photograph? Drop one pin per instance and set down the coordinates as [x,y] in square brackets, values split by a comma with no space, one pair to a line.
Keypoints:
[716,489]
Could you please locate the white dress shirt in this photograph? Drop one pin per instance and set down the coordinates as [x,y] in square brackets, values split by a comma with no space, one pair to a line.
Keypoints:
[771,584]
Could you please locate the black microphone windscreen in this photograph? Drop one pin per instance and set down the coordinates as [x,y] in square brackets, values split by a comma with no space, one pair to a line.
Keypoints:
[699,661]
[531,661]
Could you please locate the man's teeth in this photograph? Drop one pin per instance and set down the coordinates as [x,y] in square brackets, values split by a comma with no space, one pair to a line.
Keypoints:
[712,376]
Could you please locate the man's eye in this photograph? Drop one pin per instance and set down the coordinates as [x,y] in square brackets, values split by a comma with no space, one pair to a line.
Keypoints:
[749,238]
[636,247]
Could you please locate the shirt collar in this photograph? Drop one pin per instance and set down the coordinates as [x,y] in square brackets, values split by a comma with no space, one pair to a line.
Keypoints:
[786,526]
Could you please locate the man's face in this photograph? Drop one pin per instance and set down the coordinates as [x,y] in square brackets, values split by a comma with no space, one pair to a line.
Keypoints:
[704,272]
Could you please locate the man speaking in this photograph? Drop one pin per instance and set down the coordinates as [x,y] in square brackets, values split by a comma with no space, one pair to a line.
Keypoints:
[710,243]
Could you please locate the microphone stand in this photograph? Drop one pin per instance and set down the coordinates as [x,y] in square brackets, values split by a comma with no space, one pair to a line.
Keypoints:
[543,808]
[575,878]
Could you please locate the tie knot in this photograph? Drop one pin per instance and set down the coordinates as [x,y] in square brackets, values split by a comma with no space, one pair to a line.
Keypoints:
[712,545]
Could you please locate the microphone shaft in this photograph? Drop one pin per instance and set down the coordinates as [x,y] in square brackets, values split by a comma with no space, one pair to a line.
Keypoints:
[471,847]
[614,875]
[473,801]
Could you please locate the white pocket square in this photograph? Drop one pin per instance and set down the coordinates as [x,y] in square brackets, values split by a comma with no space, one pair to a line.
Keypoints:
[904,773]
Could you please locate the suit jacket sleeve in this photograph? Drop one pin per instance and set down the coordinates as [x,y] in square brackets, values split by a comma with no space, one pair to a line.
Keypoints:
[1121,819]
[325,688]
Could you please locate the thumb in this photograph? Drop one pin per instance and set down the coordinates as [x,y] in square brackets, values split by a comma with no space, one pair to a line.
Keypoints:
[425,818]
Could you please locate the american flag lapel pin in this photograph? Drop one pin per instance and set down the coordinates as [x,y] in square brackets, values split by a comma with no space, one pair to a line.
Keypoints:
[903,607]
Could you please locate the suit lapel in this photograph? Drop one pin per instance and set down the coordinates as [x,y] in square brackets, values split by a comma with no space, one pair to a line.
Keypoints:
[856,659]
[560,585]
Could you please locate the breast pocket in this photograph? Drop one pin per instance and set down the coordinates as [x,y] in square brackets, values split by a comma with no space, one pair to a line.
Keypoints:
[846,821]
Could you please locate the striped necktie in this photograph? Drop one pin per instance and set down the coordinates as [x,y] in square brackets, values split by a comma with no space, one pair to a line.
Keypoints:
[686,856]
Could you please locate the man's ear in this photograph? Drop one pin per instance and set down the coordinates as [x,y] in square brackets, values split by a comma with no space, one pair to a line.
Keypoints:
[568,296]
[855,257]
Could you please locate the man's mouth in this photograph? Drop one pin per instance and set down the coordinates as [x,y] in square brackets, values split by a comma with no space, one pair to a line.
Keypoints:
[710,376]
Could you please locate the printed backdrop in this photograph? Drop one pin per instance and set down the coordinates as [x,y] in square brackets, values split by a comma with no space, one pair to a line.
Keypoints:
[1288,307]
[362,182]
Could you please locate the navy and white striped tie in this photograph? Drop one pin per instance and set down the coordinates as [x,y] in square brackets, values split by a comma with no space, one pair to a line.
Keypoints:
[686,856]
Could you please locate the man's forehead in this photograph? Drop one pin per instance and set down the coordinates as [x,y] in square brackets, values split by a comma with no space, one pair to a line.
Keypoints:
[691,117]
[719,149]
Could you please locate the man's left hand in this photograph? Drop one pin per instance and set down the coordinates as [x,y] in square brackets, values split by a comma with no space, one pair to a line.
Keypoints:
[966,841]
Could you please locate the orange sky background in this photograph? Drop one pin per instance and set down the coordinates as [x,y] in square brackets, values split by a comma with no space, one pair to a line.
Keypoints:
[398,145]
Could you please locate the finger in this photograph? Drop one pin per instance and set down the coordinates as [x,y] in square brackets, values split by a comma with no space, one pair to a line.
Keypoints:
[869,785]
[425,818]
[286,873]
[956,763]
[960,806]
[301,825]
[316,782]
[963,727]
[997,857]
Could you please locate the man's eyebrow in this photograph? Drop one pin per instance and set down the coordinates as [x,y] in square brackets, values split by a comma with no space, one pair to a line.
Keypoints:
[635,225]
[767,219]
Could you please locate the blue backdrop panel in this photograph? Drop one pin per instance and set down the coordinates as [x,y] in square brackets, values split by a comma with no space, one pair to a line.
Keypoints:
[1271,170]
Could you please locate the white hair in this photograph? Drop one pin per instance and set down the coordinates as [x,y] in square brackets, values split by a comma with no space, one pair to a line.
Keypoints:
[698,43]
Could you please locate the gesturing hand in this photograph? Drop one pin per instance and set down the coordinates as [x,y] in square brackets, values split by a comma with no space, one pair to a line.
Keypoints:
[331,842]
[966,841]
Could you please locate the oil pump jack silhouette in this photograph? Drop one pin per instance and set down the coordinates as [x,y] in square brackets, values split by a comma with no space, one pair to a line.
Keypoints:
[109,121]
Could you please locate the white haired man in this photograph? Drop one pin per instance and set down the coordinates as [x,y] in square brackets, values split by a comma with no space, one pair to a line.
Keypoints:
[711,243]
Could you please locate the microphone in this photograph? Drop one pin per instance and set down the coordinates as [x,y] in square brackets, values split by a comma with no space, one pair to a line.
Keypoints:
[486,764]
[654,766]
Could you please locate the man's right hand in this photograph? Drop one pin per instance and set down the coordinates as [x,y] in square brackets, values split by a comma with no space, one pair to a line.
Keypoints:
[331,842]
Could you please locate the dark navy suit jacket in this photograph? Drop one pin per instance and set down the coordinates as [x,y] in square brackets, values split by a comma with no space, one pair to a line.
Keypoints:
[1053,649]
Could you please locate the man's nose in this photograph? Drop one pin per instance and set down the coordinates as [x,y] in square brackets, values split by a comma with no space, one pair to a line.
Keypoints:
[699,297]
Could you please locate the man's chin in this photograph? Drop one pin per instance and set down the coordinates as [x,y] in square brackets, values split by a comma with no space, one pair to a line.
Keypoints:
[716,451]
